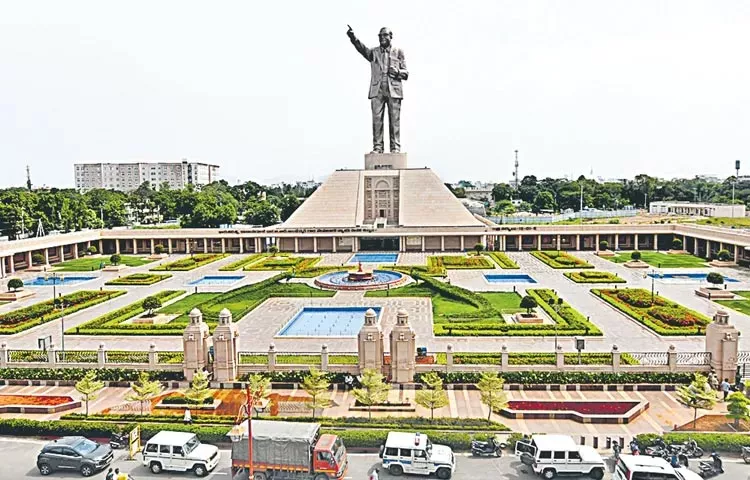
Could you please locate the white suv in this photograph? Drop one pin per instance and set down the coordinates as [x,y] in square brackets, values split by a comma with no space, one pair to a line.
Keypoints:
[179,451]
[643,467]
[550,455]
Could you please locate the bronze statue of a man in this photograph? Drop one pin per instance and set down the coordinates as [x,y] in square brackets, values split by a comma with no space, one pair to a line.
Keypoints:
[388,69]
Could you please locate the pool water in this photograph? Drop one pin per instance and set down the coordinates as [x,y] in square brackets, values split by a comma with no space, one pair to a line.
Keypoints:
[374,258]
[508,278]
[217,280]
[326,322]
[687,277]
[59,280]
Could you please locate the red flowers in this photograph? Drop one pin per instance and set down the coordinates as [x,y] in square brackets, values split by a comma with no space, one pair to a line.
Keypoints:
[23,400]
[585,407]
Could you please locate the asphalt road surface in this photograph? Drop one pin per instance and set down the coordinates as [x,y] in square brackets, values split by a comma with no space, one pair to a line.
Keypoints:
[18,461]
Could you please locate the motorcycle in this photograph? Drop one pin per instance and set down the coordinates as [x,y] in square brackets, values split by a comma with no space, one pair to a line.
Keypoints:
[711,468]
[487,449]
[746,454]
[117,441]
[691,449]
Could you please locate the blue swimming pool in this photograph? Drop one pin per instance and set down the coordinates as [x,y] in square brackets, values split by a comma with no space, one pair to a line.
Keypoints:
[686,277]
[326,322]
[508,278]
[217,280]
[374,258]
[58,280]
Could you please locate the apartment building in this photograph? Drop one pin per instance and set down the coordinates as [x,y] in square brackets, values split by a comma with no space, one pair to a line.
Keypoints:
[129,176]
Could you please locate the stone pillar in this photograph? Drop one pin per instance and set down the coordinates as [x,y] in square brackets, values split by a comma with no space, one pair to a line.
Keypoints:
[242,245]
[333,242]
[11,265]
[152,246]
[558,241]
[615,358]
[223,245]
[117,246]
[672,358]
[315,244]
[51,355]
[169,246]
[520,243]
[101,246]
[324,358]
[195,344]
[539,242]
[423,243]
[205,245]
[271,357]
[226,339]
[635,247]
[403,349]
[736,254]
[722,342]
[617,241]
[101,356]
[29,263]
[258,246]
[46,256]
[442,243]
[135,246]
[695,246]
[596,247]
[355,244]
[2,267]
[656,242]
[75,250]
[504,357]
[559,358]
[449,358]
[578,242]
[296,244]
[463,247]
[153,357]
[4,355]
[370,343]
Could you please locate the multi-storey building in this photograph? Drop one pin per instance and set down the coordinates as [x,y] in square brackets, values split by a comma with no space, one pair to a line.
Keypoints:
[129,176]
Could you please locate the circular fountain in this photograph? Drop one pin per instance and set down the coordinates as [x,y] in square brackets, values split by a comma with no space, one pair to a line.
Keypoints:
[361,279]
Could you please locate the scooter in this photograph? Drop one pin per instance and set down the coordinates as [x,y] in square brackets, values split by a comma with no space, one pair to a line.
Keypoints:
[486,449]
[746,454]
[710,468]
[117,441]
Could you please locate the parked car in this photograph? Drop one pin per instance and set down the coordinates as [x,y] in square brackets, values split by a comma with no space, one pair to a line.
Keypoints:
[643,466]
[74,454]
[179,451]
[553,455]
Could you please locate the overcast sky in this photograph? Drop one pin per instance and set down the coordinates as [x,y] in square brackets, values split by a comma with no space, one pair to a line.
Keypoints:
[274,91]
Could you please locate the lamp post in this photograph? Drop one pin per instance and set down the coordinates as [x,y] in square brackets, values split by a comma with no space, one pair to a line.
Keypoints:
[734,184]
[653,277]
[556,306]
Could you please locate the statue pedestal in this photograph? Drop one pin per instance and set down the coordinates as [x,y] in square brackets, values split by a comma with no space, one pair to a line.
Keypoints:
[385,161]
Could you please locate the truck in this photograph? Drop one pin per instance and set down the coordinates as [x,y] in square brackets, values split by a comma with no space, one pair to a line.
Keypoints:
[288,450]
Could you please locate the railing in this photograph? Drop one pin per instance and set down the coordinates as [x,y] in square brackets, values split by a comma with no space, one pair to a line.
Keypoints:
[170,357]
[51,358]
[253,358]
[76,356]
[694,358]
[21,356]
[743,357]
[125,357]
[651,358]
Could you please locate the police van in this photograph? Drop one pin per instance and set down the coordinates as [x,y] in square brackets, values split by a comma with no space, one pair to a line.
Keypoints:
[553,455]
[415,453]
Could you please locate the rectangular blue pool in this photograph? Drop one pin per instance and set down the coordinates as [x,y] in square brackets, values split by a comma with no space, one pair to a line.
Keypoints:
[686,277]
[508,278]
[381,258]
[326,322]
[217,280]
[58,280]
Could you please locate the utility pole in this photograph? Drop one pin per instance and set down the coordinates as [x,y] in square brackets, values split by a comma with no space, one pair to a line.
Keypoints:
[734,184]
[515,172]
[580,211]
[28,178]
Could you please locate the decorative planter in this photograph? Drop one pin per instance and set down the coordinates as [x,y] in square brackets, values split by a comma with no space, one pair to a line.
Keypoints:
[183,406]
[676,252]
[17,295]
[158,256]
[526,318]
[36,403]
[582,411]
[714,293]
[606,253]
[720,263]
[636,264]
[115,268]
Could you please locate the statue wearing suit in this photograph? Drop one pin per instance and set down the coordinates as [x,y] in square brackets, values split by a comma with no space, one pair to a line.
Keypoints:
[388,69]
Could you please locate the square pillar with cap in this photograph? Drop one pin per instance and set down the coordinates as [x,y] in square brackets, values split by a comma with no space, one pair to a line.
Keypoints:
[403,349]
[370,348]
[225,340]
[722,342]
[195,344]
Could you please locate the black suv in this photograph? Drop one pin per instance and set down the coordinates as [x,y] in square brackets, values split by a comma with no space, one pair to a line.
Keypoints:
[74,453]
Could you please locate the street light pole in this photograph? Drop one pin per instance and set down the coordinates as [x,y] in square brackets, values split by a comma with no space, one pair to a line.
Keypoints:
[734,184]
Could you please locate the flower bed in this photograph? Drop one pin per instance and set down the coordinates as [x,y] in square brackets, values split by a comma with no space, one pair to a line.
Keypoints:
[36,403]
[582,411]
[43,312]
[460,262]
[502,260]
[139,279]
[663,316]
[594,277]
[190,263]
[112,323]
[559,259]
[243,262]
[284,263]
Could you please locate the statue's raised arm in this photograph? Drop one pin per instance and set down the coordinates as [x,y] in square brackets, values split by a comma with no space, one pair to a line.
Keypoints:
[361,48]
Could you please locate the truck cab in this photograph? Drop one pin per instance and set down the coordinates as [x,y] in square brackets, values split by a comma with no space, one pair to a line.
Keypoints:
[415,453]
[329,457]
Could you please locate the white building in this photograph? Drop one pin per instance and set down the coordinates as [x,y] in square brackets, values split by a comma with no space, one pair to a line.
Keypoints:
[129,176]
[697,209]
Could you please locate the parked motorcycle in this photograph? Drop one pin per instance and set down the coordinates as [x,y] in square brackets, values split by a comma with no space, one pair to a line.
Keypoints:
[117,441]
[691,449]
[746,454]
[711,468]
[493,448]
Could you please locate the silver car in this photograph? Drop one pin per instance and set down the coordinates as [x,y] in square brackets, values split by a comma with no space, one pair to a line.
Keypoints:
[74,454]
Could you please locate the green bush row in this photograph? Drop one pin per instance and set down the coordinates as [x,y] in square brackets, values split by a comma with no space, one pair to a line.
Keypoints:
[595,277]
[43,312]
[567,315]
[139,279]
[567,378]
[460,262]
[502,260]
[109,323]
[559,260]
[720,442]
[190,263]
[103,374]
[516,358]
[243,262]
[312,359]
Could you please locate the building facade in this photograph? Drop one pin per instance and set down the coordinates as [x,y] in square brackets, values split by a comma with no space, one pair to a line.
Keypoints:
[697,209]
[129,176]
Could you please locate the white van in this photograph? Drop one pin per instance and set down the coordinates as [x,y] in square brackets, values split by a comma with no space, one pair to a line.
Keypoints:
[643,467]
[179,451]
[414,453]
[550,455]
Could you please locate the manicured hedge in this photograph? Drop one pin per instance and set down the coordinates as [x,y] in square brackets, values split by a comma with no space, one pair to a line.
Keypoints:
[460,262]
[177,399]
[664,317]
[515,358]
[111,323]
[720,442]
[103,374]
[243,262]
[285,263]
[139,279]
[567,378]
[558,259]
[594,277]
[312,359]
[502,260]
[190,263]
[567,316]
[25,318]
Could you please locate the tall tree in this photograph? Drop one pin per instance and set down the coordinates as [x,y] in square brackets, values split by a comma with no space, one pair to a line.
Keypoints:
[490,386]
[316,385]
[199,389]
[260,388]
[432,396]
[373,391]
[88,387]
[738,406]
[696,395]
[144,390]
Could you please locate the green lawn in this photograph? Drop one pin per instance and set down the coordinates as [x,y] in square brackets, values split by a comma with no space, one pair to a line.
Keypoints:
[560,259]
[139,279]
[459,262]
[725,221]
[88,264]
[243,262]
[190,263]
[186,304]
[594,277]
[502,260]
[742,306]
[663,260]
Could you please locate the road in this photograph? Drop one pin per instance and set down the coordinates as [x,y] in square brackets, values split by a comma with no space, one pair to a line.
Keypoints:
[19,462]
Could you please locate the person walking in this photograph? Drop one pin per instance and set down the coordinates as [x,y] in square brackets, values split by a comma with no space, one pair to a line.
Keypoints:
[725,387]
[374,474]
[187,419]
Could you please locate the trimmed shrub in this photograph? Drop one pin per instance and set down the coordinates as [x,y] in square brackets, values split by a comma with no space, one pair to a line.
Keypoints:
[92,250]
[635,255]
[74,374]
[14,284]
[159,249]
[723,255]
[37,259]
[604,245]
[715,278]
[676,244]
[115,259]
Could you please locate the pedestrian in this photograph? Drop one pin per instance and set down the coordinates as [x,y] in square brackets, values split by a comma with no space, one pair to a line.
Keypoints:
[374,474]
[725,388]
[110,474]
[120,475]
[187,419]
[349,381]
[714,380]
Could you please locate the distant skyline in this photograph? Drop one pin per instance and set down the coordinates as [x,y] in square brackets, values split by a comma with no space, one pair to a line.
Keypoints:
[275,92]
